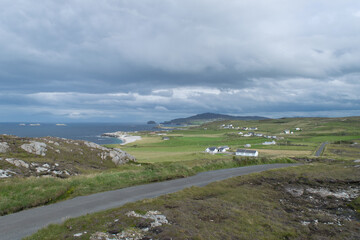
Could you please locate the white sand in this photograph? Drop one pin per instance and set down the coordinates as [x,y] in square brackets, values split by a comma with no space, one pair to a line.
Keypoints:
[123,136]
[129,139]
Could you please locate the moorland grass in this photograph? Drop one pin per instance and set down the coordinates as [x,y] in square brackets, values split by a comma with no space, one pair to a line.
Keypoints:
[20,193]
[245,207]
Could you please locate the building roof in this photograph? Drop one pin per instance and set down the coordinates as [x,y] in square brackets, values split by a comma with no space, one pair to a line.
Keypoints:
[212,148]
[245,151]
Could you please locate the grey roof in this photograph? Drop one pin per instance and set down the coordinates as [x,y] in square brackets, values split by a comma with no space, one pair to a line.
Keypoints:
[212,148]
[246,151]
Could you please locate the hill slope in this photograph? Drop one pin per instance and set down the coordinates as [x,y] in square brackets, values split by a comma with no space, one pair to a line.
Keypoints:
[55,157]
[209,117]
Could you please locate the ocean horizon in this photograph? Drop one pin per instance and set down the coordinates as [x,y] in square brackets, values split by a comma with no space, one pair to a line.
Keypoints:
[77,131]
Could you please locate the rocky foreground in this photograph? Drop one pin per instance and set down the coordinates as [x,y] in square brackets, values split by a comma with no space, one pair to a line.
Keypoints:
[57,157]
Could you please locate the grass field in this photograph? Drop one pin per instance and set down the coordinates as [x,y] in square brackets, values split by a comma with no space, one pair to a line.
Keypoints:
[190,144]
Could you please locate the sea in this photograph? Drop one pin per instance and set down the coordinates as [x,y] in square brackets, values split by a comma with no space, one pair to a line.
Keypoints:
[76,131]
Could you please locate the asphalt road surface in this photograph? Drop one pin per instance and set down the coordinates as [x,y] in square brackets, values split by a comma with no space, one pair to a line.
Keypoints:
[18,225]
[320,150]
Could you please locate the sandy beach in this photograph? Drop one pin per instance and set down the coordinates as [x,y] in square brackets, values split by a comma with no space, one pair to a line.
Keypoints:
[123,136]
[129,139]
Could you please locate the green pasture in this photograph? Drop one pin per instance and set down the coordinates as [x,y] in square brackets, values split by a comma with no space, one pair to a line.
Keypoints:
[189,144]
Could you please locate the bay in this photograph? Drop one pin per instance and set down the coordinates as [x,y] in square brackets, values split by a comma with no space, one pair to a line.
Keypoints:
[76,131]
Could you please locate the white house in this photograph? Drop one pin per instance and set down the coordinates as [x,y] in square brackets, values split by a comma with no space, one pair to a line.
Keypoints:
[287,131]
[246,153]
[225,147]
[247,145]
[240,133]
[258,134]
[269,143]
[298,129]
[220,149]
[247,135]
[211,150]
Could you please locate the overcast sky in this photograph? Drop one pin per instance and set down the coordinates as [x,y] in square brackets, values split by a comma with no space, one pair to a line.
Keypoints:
[132,60]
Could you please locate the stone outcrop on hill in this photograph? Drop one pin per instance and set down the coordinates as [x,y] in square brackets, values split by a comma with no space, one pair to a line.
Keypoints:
[119,156]
[38,148]
[16,162]
[58,157]
[4,147]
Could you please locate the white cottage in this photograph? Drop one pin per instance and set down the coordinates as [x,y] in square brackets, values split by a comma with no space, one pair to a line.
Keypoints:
[269,143]
[246,153]
[211,150]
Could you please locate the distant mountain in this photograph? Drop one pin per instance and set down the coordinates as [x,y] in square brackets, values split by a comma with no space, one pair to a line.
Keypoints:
[209,117]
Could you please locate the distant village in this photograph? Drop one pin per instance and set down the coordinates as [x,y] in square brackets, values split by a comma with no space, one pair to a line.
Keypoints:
[247,152]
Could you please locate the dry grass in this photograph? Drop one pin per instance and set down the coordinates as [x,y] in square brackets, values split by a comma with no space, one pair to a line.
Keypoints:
[283,153]
[255,206]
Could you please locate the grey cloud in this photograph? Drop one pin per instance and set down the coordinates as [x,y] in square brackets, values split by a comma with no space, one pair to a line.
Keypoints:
[276,55]
[171,42]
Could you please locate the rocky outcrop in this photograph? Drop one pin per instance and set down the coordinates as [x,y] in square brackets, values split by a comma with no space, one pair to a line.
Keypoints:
[117,156]
[38,148]
[17,162]
[133,233]
[156,216]
[35,169]
[4,147]
[56,157]
[6,173]
[94,145]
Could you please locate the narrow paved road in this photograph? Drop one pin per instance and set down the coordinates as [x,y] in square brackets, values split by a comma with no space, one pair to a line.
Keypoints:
[321,148]
[18,225]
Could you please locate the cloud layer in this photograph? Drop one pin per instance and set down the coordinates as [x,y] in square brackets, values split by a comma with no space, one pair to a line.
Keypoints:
[128,60]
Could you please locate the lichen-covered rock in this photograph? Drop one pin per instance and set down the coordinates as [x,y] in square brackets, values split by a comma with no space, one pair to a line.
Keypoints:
[4,147]
[6,173]
[38,148]
[158,218]
[119,156]
[94,145]
[17,162]
[128,234]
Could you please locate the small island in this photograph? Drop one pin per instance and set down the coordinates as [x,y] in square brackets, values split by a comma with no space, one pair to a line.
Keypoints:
[151,122]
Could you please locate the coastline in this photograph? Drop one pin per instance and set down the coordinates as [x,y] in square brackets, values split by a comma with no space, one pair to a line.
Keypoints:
[123,136]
